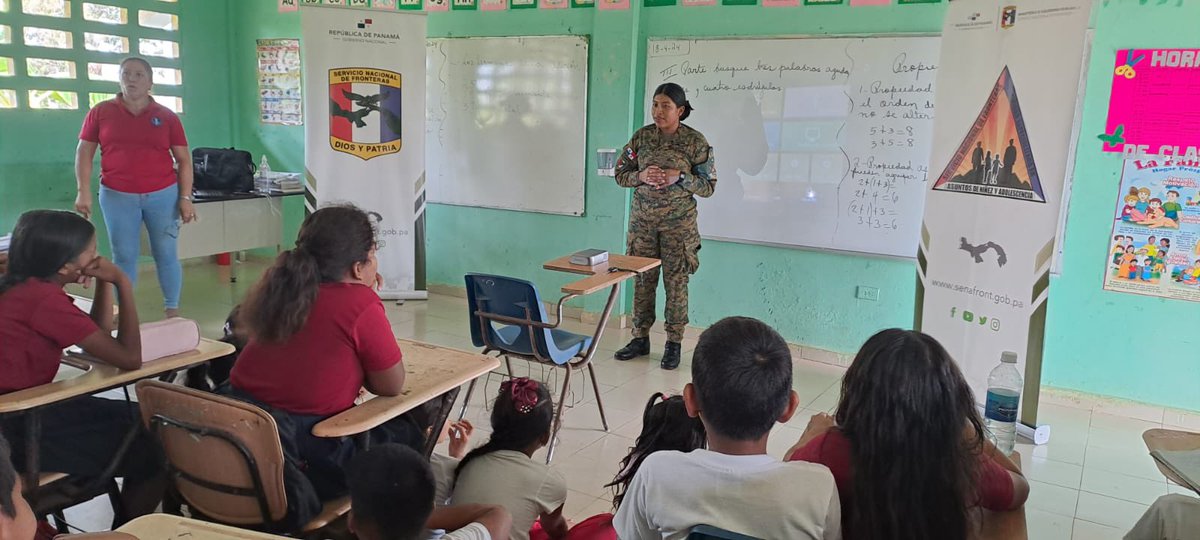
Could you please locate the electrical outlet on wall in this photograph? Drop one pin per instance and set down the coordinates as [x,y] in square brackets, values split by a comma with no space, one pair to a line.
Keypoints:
[867,293]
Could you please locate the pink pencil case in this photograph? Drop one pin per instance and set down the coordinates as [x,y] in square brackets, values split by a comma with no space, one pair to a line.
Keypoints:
[170,337]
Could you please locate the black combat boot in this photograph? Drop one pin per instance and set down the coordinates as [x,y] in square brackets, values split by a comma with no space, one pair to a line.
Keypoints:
[639,346]
[670,359]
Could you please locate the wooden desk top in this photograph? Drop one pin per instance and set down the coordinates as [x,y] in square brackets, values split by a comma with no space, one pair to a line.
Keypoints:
[625,262]
[1170,440]
[168,527]
[100,377]
[430,371]
[599,276]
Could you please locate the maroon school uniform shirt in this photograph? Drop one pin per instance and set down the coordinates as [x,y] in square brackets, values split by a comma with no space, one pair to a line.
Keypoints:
[37,321]
[994,489]
[320,369]
[135,150]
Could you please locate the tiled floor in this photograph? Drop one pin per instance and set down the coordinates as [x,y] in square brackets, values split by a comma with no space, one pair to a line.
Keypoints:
[1091,482]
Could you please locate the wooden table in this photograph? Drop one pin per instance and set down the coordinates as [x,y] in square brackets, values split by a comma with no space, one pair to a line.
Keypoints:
[96,377]
[430,371]
[1170,440]
[168,527]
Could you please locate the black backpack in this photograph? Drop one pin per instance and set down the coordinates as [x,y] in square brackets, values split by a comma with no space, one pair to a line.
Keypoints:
[223,169]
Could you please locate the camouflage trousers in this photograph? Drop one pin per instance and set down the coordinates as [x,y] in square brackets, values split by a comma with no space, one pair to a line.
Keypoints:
[676,243]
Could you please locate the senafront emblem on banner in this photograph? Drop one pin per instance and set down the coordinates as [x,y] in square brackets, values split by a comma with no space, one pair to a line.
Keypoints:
[994,159]
[364,111]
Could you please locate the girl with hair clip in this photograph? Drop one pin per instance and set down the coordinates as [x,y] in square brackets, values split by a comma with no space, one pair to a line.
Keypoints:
[51,249]
[503,472]
[907,447]
[318,334]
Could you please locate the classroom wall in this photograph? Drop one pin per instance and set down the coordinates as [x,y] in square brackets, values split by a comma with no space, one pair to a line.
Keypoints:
[1136,347]
[1098,341]
[37,147]
[789,288]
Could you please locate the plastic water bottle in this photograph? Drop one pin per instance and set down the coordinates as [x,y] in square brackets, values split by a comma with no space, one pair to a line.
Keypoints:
[264,168]
[1003,398]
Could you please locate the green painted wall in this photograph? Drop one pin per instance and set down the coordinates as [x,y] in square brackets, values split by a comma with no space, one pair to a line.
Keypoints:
[250,21]
[1110,343]
[37,147]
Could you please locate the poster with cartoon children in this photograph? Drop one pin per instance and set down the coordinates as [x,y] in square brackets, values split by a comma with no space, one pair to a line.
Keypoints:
[1155,244]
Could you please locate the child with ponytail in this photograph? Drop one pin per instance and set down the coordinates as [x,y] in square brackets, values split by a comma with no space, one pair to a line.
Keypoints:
[318,334]
[503,471]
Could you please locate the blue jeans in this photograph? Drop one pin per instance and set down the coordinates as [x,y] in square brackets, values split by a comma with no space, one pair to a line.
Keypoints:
[124,214]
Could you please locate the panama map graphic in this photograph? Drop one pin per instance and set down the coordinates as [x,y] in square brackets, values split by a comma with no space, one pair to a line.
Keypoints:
[994,158]
[977,251]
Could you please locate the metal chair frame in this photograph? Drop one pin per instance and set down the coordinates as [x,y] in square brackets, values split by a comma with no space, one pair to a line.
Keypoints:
[583,361]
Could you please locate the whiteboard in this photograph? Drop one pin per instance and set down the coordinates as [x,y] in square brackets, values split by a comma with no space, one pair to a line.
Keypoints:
[506,122]
[820,143]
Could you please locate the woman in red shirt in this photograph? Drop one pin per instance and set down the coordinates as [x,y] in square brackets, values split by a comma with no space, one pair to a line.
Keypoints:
[318,335]
[908,451]
[141,143]
[51,249]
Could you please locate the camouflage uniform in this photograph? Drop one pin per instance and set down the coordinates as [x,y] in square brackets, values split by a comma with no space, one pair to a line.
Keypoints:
[662,222]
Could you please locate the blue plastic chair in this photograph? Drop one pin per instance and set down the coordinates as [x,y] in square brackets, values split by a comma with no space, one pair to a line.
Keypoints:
[707,532]
[507,316]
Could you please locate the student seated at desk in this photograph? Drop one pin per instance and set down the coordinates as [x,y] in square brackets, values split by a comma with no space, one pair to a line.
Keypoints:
[908,449]
[741,386]
[318,334]
[17,521]
[503,470]
[51,249]
[391,498]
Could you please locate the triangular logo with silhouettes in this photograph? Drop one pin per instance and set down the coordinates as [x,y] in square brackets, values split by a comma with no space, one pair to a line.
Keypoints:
[994,159]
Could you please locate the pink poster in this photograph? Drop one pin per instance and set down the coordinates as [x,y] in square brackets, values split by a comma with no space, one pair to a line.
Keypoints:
[437,5]
[288,5]
[780,3]
[699,2]
[493,5]
[554,4]
[870,2]
[1153,108]
[612,4]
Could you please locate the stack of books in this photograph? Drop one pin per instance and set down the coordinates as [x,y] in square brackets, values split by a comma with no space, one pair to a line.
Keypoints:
[278,183]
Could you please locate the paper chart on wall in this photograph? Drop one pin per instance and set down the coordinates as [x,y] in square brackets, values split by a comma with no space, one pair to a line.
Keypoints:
[1154,249]
[279,93]
[1153,107]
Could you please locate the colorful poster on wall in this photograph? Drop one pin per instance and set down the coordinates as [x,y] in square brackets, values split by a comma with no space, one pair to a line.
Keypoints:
[279,95]
[410,5]
[554,4]
[870,2]
[387,5]
[1000,154]
[288,5]
[437,5]
[1155,242]
[693,3]
[1153,107]
[583,3]
[493,5]
[612,4]
[824,2]
[463,5]
[780,3]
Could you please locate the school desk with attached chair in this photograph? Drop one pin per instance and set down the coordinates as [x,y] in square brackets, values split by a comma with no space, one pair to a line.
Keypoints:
[53,492]
[225,458]
[507,316]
